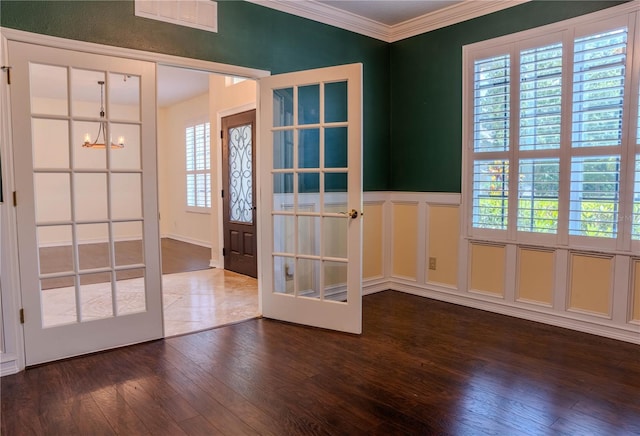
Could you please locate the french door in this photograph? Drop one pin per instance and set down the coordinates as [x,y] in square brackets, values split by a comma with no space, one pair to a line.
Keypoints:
[311,197]
[85,163]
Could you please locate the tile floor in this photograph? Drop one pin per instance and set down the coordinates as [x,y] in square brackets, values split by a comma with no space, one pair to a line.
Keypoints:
[199,300]
[193,301]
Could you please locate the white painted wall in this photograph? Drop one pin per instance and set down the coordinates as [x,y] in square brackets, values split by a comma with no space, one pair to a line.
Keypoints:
[175,220]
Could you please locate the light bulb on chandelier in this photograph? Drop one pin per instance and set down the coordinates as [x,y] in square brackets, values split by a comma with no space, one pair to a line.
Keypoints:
[102,129]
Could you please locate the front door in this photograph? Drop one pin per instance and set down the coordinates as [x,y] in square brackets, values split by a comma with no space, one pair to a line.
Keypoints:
[85,163]
[239,192]
[311,197]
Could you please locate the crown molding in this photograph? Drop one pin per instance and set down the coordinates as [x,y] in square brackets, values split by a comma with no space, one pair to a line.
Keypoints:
[447,16]
[330,15]
[333,16]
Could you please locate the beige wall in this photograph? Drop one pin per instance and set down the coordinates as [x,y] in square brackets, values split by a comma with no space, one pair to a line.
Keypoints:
[175,220]
[588,291]
[591,283]
[405,243]
[536,270]
[488,268]
[443,236]
[372,240]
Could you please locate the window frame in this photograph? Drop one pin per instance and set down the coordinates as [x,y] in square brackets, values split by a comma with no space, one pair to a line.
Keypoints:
[565,32]
[206,209]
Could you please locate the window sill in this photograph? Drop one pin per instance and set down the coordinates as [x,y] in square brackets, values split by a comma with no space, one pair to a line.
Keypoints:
[199,210]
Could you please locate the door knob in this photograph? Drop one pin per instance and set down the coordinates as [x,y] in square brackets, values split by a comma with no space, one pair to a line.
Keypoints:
[353,214]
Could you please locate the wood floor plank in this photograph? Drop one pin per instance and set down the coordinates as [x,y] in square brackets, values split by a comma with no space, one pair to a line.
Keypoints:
[576,423]
[199,381]
[121,417]
[88,416]
[420,367]
[207,393]
[199,426]
[155,418]
[167,398]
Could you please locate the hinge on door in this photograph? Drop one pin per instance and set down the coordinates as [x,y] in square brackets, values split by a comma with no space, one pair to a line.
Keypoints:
[15,199]
[21,316]
[221,134]
[224,252]
[222,193]
[8,70]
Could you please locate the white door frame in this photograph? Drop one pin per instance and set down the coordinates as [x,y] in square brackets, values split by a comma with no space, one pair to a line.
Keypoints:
[12,355]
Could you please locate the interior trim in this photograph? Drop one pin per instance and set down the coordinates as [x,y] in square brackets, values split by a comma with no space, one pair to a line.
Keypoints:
[333,16]
[128,53]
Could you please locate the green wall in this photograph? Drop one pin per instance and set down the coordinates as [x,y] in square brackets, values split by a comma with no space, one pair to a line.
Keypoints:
[412,88]
[426,91]
[248,35]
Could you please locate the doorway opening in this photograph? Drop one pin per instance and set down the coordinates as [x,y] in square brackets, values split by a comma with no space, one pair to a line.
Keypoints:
[198,293]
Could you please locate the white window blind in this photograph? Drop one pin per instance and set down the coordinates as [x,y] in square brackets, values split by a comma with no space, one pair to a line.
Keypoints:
[595,186]
[635,228]
[491,104]
[540,97]
[491,194]
[538,195]
[598,96]
[198,158]
[539,133]
[491,134]
[563,173]
[598,88]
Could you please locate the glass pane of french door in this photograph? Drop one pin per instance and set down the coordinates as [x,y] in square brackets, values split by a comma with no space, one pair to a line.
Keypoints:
[90,272]
[311,127]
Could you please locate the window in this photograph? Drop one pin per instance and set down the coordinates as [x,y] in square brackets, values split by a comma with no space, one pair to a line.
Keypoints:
[197,142]
[233,80]
[553,124]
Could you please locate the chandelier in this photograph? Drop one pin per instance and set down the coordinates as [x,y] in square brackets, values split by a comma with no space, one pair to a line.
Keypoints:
[102,129]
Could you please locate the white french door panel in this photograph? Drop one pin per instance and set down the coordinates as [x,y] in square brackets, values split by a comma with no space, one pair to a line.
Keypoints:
[310,160]
[87,208]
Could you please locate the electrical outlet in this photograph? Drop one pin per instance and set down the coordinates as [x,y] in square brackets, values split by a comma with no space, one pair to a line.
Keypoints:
[432,263]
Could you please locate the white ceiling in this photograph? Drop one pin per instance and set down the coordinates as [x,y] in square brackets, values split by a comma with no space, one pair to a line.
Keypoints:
[179,84]
[389,20]
[174,85]
[389,12]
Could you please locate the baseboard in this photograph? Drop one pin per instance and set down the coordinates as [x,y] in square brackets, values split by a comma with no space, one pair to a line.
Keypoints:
[567,321]
[215,264]
[9,365]
[372,288]
[187,240]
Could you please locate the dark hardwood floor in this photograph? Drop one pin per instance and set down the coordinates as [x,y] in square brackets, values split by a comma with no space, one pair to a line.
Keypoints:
[177,256]
[420,367]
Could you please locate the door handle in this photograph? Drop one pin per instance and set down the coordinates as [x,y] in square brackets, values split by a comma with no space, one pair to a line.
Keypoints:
[353,214]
